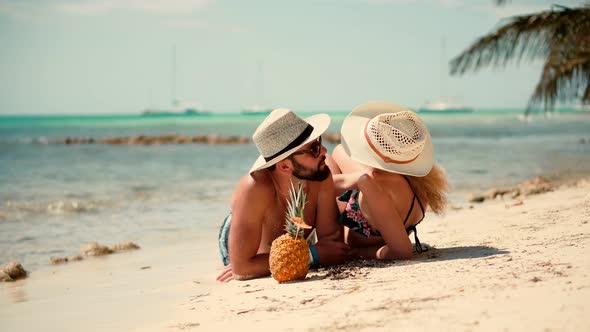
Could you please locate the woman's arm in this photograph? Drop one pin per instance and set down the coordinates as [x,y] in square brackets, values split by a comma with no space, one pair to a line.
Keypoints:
[379,252]
[356,240]
[386,219]
[343,181]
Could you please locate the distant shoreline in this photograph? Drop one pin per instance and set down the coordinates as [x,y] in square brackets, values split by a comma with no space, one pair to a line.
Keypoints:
[172,139]
[489,110]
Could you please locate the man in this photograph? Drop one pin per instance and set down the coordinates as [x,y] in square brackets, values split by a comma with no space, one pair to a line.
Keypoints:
[291,152]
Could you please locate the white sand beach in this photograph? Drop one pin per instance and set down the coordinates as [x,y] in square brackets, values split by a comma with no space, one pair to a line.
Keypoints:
[501,265]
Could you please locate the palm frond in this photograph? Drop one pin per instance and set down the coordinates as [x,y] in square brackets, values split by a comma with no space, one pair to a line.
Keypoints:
[563,80]
[560,36]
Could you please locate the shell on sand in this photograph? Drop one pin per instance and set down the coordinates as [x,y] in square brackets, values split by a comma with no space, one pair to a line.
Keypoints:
[12,271]
[537,185]
[95,249]
[62,260]
[58,260]
[123,246]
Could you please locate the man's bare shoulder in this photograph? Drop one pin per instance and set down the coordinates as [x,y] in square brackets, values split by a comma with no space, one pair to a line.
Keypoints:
[258,184]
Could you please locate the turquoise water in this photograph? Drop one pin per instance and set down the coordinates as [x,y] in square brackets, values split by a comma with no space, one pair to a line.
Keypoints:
[55,198]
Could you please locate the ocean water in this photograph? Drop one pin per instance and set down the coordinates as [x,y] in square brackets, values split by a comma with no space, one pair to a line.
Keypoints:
[55,198]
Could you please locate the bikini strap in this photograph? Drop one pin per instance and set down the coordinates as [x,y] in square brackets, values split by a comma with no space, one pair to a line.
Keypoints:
[410,211]
[412,206]
[345,197]
[421,206]
[417,243]
[413,228]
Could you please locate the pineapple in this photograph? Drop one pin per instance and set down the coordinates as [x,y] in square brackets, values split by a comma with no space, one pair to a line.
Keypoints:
[289,254]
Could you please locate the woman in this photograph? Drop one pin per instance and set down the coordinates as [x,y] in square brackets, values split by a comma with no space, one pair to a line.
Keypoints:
[385,167]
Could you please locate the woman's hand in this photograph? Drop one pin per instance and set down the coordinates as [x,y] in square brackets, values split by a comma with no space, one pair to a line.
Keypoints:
[380,212]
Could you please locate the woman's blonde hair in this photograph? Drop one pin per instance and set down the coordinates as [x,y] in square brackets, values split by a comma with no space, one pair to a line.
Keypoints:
[432,188]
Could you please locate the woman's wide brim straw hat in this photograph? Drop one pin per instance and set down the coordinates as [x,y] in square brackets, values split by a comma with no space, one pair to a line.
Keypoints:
[284,132]
[389,137]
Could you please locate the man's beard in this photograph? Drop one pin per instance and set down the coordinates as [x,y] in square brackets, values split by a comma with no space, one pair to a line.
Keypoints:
[304,173]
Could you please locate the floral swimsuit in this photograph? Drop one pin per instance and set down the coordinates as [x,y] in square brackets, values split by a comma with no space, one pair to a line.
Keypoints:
[353,218]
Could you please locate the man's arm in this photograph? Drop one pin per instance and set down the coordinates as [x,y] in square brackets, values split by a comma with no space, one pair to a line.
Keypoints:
[331,247]
[326,210]
[246,230]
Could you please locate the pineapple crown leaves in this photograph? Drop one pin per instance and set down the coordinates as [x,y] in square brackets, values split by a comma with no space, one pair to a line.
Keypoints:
[294,224]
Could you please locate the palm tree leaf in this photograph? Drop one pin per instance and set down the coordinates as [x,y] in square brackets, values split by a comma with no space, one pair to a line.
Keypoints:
[561,37]
[533,35]
[563,80]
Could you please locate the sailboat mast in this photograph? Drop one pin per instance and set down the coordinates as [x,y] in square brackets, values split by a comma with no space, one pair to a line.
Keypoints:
[259,84]
[443,71]
[173,78]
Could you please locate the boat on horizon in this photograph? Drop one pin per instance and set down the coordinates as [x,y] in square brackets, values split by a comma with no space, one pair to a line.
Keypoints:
[582,108]
[259,108]
[444,104]
[163,112]
[442,107]
[177,108]
[256,110]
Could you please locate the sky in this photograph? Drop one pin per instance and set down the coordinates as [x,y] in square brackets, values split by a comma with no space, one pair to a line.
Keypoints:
[124,56]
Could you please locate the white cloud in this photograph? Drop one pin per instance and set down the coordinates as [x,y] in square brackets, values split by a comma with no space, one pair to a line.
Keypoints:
[29,10]
[514,9]
[451,3]
[98,7]
[239,28]
[438,3]
[186,23]
[387,2]
[20,11]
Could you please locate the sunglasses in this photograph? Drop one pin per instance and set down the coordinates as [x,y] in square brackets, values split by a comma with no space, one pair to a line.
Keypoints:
[314,149]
